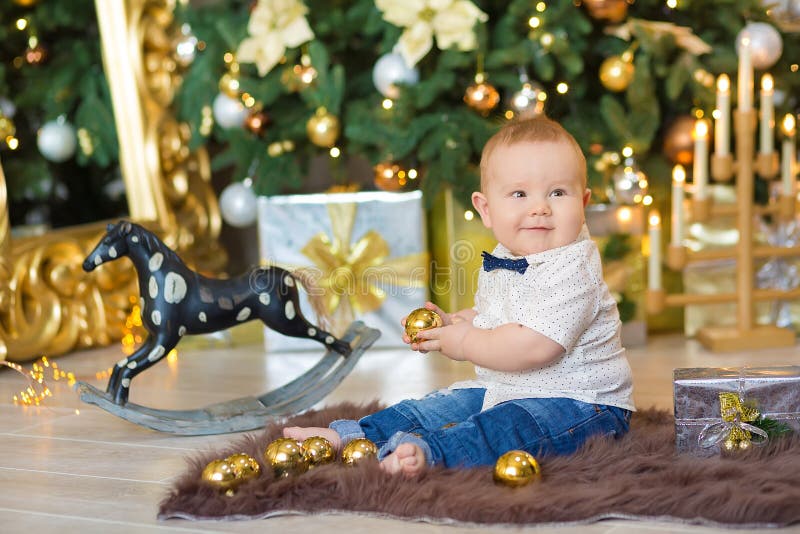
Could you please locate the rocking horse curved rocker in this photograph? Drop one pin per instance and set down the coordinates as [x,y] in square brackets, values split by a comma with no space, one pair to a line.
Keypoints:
[176,301]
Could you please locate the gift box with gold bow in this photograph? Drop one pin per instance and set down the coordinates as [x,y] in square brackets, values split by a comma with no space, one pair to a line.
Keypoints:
[365,251]
[724,409]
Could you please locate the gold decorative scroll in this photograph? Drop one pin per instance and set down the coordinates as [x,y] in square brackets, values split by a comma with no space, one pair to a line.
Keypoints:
[48,305]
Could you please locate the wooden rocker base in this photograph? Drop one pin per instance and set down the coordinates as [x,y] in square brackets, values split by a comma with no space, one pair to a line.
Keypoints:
[731,339]
[246,413]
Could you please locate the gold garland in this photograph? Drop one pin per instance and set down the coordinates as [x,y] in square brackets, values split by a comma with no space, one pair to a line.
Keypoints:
[353,273]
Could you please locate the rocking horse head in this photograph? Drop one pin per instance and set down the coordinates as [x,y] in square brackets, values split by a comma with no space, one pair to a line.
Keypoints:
[112,246]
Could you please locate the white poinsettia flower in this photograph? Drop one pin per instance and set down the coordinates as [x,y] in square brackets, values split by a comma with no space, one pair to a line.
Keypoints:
[274,26]
[451,22]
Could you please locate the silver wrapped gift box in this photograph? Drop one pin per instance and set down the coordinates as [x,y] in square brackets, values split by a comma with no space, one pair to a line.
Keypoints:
[773,391]
[367,250]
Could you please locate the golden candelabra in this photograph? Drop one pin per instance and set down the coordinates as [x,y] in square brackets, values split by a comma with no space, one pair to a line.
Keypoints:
[746,334]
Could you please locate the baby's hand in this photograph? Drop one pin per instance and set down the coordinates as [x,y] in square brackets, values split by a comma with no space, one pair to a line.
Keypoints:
[447,319]
[449,340]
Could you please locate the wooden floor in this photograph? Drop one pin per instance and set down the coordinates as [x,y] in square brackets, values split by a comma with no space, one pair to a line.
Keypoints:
[70,467]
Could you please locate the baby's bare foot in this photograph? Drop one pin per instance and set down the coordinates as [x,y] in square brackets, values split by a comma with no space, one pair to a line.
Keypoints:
[407,459]
[302,433]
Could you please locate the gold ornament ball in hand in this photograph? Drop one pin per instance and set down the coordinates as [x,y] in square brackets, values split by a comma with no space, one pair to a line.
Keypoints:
[221,475]
[421,319]
[516,468]
[616,74]
[323,128]
[244,466]
[359,450]
[318,451]
[285,456]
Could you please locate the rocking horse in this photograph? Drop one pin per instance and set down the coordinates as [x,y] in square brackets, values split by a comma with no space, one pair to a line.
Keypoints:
[176,301]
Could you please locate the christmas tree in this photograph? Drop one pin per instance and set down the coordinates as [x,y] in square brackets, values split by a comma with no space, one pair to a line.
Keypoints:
[414,88]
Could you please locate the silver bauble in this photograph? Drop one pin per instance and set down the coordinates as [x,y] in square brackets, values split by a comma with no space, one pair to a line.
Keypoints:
[630,183]
[391,69]
[238,205]
[57,140]
[766,44]
[229,112]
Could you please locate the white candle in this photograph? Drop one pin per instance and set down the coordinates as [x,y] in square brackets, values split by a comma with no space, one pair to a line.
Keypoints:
[722,131]
[678,179]
[745,89]
[654,261]
[788,165]
[767,115]
[700,168]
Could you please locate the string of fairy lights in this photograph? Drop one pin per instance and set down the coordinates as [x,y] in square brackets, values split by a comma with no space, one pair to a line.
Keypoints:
[44,370]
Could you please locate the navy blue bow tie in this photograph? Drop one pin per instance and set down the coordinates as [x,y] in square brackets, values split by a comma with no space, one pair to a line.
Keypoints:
[490,263]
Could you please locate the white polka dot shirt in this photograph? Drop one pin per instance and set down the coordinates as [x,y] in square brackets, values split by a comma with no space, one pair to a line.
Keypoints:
[563,296]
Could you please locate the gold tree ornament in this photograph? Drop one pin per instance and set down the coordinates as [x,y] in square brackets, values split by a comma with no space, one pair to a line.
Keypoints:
[245,467]
[318,451]
[421,319]
[221,475]
[229,85]
[256,122]
[616,72]
[389,176]
[285,457]
[678,141]
[612,11]
[481,95]
[516,468]
[323,128]
[359,450]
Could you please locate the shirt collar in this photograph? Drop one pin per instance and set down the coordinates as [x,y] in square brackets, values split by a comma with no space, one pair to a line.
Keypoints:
[540,257]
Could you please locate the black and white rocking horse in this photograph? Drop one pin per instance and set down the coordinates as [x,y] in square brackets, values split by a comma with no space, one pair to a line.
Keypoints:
[176,301]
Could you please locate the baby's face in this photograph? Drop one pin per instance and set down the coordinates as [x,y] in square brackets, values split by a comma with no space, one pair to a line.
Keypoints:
[533,196]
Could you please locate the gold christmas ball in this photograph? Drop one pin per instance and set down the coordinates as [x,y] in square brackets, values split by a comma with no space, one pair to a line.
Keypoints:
[745,444]
[244,466]
[609,10]
[220,474]
[257,122]
[359,450]
[421,319]
[482,97]
[7,127]
[229,85]
[389,177]
[516,468]
[323,128]
[616,74]
[318,451]
[285,456]
[730,445]
[678,141]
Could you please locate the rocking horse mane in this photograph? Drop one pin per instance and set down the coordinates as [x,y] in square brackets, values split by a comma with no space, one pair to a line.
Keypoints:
[153,244]
[315,297]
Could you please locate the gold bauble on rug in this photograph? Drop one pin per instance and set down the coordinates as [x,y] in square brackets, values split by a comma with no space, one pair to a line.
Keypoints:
[421,319]
[323,128]
[285,457]
[359,450]
[678,141]
[221,475]
[616,73]
[318,451]
[244,466]
[516,468]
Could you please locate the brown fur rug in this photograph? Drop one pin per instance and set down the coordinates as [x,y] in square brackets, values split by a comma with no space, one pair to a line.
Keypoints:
[637,477]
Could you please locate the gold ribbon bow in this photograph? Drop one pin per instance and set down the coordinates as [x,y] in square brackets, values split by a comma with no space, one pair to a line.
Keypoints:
[353,274]
[734,425]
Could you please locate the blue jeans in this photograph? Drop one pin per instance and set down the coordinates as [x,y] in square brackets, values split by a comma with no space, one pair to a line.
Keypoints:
[451,429]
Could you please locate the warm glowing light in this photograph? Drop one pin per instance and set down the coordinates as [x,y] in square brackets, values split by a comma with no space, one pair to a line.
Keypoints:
[547,40]
[12,142]
[767,83]
[700,129]
[534,22]
[647,200]
[624,215]
[540,7]
[723,83]
[335,152]
[654,219]
[468,215]
[788,124]
[678,174]
[627,151]
[22,24]
[716,114]
[562,88]
[387,103]
[794,67]
[248,100]
[508,114]
[672,4]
